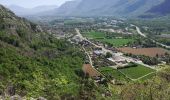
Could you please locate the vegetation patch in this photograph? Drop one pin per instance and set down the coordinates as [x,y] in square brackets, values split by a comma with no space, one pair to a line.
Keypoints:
[136,72]
[95,35]
[117,42]
[110,39]
[111,73]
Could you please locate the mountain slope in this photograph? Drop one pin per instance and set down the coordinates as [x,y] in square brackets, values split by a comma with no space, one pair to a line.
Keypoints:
[67,8]
[34,63]
[21,11]
[106,7]
[125,8]
[136,7]
[162,8]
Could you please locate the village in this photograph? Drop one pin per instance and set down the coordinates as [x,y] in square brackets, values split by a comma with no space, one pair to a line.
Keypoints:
[116,51]
[100,55]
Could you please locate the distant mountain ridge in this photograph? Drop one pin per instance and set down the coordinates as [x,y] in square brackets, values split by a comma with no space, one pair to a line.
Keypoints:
[123,8]
[21,11]
[163,8]
[106,7]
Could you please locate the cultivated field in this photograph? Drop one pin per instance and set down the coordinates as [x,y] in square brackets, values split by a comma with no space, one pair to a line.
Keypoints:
[94,35]
[152,52]
[101,36]
[117,42]
[139,72]
[111,73]
[136,72]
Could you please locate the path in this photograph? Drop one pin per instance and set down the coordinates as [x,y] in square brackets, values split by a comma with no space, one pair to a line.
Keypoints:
[143,76]
[90,60]
[137,78]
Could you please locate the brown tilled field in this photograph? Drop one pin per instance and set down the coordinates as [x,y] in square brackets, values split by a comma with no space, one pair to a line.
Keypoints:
[88,69]
[152,52]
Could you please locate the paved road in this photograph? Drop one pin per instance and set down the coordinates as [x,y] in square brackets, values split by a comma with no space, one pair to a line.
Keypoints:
[83,38]
[139,32]
[106,50]
[163,45]
[142,34]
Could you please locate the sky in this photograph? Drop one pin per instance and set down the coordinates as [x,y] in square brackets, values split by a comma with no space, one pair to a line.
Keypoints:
[32,3]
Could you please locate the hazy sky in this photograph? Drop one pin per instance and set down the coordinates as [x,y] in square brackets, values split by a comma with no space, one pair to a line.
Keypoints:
[32,3]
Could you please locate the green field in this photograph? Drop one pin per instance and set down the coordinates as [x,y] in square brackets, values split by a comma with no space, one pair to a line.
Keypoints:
[100,36]
[136,72]
[94,35]
[117,42]
[148,76]
[111,73]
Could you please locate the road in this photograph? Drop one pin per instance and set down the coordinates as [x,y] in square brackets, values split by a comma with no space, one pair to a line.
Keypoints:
[83,38]
[142,34]
[163,45]
[106,50]
[139,32]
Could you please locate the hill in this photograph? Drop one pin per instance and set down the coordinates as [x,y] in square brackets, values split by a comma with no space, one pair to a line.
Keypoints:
[119,8]
[21,11]
[106,7]
[35,64]
[161,9]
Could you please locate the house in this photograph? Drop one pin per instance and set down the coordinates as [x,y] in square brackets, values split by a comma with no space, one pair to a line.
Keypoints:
[98,52]
[119,60]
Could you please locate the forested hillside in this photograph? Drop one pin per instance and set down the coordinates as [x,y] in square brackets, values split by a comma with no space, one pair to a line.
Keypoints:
[34,64]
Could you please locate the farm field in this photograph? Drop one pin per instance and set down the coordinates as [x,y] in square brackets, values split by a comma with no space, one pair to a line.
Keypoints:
[152,52]
[148,76]
[117,42]
[136,72]
[75,21]
[94,35]
[112,73]
[100,36]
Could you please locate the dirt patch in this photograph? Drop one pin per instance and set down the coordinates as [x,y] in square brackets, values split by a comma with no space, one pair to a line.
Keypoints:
[88,69]
[152,52]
